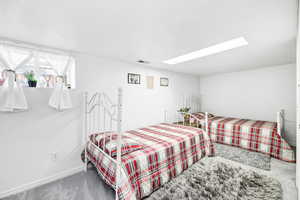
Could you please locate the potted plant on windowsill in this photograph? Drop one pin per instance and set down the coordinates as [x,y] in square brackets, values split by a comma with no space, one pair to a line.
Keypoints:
[30,79]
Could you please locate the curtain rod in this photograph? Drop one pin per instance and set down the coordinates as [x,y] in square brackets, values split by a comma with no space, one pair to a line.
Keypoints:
[35,47]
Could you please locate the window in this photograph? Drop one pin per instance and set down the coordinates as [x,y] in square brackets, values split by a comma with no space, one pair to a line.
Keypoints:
[38,66]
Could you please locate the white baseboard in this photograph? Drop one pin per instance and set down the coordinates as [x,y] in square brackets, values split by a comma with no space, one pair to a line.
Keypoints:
[40,182]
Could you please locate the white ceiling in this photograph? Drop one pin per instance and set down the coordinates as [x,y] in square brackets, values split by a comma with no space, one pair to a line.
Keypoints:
[156,30]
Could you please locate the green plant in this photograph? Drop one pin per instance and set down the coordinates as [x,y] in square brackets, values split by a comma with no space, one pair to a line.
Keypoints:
[184,110]
[30,76]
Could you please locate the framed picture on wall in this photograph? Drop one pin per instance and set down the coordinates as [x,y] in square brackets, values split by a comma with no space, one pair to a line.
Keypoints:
[164,82]
[150,82]
[134,78]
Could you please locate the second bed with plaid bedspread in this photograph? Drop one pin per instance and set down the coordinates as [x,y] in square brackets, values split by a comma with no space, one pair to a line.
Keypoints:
[259,136]
[168,150]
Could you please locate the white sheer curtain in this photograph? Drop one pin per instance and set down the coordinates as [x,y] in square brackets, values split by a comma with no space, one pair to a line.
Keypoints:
[60,98]
[12,97]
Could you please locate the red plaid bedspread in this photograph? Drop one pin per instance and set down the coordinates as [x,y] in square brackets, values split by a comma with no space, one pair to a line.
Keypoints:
[259,136]
[168,150]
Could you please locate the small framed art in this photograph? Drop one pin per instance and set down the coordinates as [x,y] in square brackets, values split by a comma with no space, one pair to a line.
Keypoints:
[134,78]
[150,82]
[164,82]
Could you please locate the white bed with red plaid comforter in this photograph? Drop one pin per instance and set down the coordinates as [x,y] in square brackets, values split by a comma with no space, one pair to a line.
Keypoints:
[168,150]
[259,136]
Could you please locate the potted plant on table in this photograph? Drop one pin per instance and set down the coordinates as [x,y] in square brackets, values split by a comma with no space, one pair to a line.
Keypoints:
[184,112]
[31,79]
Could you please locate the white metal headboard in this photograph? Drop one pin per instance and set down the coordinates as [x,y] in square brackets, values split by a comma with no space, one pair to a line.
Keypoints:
[189,101]
[100,114]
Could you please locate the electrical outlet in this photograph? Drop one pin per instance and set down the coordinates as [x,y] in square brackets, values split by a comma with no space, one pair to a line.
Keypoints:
[53,156]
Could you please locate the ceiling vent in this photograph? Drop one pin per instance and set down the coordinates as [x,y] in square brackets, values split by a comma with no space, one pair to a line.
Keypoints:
[143,61]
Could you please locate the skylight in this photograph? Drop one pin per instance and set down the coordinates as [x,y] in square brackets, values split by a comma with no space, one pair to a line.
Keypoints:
[224,46]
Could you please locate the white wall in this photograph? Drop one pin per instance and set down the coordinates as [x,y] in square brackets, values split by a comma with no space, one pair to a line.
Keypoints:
[141,106]
[298,106]
[256,94]
[27,139]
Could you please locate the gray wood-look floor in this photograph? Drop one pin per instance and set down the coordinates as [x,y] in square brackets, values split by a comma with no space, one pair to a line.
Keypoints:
[81,186]
[89,186]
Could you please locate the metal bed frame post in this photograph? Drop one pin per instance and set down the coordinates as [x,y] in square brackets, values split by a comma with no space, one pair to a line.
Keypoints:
[280,122]
[206,122]
[99,113]
[119,147]
[85,130]
[165,116]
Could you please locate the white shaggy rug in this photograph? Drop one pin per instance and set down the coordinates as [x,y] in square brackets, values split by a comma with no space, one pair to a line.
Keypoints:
[212,179]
